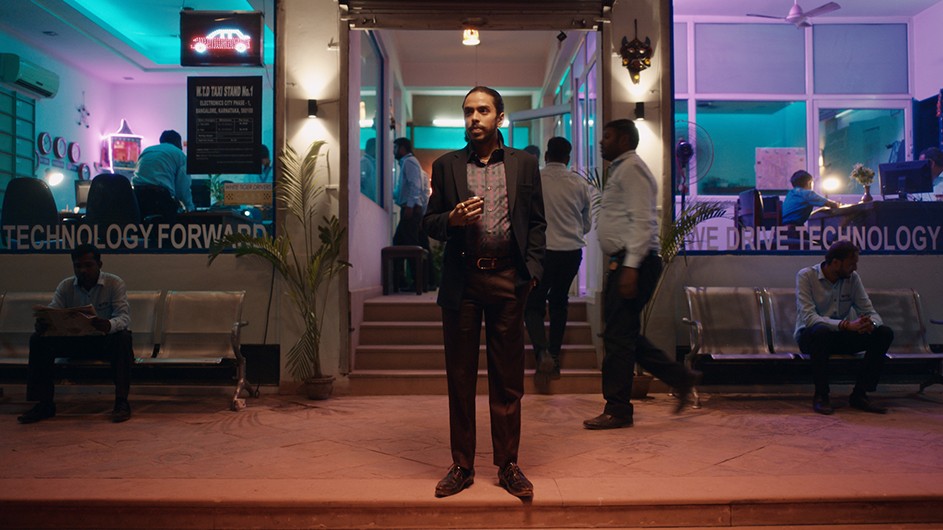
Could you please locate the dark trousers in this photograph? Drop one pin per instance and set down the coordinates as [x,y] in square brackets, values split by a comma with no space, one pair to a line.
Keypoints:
[560,267]
[409,232]
[116,348]
[625,345]
[820,341]
[496,296]
[156,202]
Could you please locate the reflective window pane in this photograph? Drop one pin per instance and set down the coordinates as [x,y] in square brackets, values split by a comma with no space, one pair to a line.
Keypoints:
[852,136]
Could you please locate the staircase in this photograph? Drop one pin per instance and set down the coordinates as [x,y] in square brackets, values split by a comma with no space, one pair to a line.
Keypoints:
[401,351]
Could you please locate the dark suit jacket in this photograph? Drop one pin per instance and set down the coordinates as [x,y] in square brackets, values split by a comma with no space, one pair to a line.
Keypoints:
[526,209]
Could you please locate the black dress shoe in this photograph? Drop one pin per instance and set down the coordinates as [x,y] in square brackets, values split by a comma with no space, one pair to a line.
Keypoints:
[121,413]
[512,479]
[543,373]
[821,405]
[607,421]
[39,412]
[862,402]
[455,481]
[686,393]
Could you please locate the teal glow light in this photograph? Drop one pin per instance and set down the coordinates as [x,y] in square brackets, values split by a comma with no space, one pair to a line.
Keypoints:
[134,24]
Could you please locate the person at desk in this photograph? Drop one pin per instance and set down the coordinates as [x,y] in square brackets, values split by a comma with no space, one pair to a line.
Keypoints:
[935,156]
[161,180]
[265,175]
[799,202]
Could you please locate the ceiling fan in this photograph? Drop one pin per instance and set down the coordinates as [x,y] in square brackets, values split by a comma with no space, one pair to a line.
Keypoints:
[801,18]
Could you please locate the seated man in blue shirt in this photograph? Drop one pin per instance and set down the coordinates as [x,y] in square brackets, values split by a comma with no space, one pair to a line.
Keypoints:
[107,294]
[835,316]
[161,180]
[799,202]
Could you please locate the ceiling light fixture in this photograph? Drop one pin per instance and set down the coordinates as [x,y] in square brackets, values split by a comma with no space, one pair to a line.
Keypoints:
[470,37]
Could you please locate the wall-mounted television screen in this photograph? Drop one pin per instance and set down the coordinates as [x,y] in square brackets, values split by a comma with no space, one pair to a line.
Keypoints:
[902,178]
[221,38]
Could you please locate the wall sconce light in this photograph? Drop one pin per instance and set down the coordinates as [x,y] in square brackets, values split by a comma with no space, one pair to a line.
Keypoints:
[470,37]
[636,55]
[640,111]
[312,108]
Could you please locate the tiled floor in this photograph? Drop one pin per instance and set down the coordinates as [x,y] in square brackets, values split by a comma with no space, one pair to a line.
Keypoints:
[391,450]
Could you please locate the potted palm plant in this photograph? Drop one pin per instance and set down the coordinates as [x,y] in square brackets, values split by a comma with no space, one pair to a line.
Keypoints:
[306,267]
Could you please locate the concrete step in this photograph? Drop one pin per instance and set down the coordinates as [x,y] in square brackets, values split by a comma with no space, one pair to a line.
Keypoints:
[430,333]
[432,357]
[412,308]
[433,382]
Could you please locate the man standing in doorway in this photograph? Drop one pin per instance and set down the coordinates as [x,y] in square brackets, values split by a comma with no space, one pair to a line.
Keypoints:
[411,197]
[628,234]
[567,205]
[486,205]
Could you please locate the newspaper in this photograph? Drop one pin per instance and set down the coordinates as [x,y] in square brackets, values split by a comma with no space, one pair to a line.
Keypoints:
[68,322]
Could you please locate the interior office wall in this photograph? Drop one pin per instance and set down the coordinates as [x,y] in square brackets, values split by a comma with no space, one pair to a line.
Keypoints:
[927,59]
[59,115]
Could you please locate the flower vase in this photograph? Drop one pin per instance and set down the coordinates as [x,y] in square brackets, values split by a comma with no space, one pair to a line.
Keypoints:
[867,195]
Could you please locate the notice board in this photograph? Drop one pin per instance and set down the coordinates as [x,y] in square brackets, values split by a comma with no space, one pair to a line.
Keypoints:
[224,125]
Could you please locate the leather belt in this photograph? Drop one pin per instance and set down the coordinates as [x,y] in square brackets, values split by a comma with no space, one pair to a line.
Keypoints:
[491,264]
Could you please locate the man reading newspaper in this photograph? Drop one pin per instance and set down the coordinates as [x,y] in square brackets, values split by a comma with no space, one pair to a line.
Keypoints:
[88,317]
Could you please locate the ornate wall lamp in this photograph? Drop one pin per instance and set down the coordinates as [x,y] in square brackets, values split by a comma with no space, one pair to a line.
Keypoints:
[636,55]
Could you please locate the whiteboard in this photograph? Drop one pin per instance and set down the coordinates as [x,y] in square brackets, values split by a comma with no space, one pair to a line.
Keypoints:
[774,166]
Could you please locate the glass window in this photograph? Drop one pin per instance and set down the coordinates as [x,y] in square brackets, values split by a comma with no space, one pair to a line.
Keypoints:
[743,133]
[681,57]
[860,58]
[849,136]
[371,118]
[749,58]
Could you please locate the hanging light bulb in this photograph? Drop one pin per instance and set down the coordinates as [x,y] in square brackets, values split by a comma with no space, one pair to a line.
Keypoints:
[470,37]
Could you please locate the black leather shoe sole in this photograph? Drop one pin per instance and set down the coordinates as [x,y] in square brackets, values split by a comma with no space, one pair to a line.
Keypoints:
[37,413]
[607,421]
[447,488]
[866,406]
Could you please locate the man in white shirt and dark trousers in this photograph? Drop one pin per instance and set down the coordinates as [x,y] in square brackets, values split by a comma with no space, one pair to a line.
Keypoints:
[412,198]
[107,294]
[628,234]
[567,205]
[835,316]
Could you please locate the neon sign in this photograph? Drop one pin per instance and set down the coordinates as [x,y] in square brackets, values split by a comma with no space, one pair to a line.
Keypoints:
[222,39]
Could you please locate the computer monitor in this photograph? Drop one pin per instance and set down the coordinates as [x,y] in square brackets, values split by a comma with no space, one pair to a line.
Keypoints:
[902,178]
[81,192]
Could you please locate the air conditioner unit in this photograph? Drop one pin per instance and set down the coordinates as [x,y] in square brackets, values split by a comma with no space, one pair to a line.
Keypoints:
[27,77]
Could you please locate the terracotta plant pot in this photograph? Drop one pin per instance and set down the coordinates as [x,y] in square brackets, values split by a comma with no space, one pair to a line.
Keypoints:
[319,388]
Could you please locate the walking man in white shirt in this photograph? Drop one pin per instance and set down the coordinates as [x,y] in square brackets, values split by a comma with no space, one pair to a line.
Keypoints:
[628,234]
[566,208]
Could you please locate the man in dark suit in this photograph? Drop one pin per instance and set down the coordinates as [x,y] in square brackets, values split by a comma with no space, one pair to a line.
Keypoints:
[487,207]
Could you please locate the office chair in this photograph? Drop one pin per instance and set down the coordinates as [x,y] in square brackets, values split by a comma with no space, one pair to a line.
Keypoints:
[111,202]
[755,210]
[28,202]
[157,204]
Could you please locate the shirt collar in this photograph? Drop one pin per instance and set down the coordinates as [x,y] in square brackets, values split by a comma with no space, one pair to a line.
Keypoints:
[496,156]
[101,280]
[621,158]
